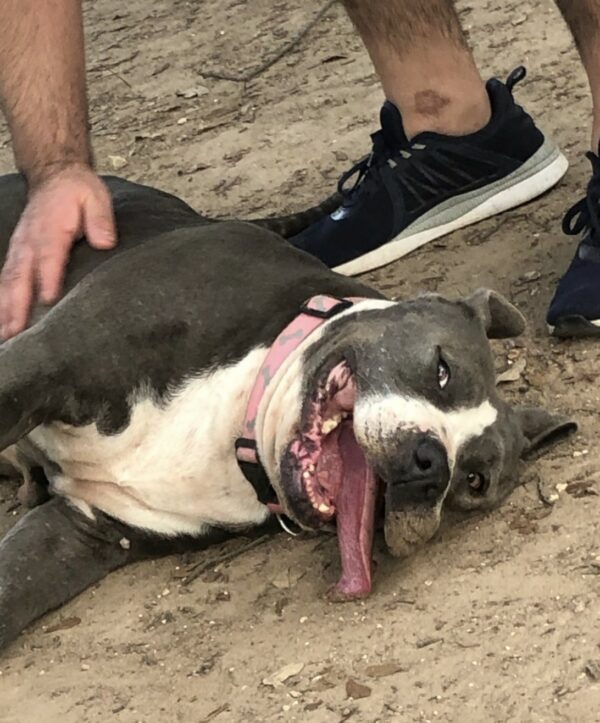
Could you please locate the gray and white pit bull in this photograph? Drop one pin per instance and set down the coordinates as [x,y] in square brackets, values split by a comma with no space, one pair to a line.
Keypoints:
[121,406]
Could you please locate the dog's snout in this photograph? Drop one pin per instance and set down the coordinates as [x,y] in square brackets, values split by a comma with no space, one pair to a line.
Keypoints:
[420,473]
[430,456]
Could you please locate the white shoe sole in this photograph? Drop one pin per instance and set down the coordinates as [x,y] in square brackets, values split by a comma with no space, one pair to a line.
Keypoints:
[542,171]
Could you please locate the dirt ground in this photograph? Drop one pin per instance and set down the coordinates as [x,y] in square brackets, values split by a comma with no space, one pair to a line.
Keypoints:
[498,618]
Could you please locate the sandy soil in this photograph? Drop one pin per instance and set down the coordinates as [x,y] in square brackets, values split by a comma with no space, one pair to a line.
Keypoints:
[498,618]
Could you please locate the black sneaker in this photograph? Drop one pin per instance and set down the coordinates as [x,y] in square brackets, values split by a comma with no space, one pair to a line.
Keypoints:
[407,193]
[575,308]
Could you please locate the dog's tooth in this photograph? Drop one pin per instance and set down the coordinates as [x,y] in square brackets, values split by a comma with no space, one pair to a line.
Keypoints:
[330,424]
[311,468]
[323,508]
[306,475]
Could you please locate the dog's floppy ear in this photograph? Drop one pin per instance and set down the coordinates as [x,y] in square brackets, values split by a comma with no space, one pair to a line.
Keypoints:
[499,317]
[542,429]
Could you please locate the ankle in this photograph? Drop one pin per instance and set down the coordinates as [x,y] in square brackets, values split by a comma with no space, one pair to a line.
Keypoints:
[438,113]
[436,87]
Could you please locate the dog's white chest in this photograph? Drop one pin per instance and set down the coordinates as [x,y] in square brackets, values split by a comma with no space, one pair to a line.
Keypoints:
[173,469]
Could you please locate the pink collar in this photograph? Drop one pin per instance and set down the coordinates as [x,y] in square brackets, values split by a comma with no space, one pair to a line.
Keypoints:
[313,313]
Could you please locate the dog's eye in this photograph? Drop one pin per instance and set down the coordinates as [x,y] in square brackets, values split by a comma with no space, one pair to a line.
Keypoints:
[443,374]
[477,484]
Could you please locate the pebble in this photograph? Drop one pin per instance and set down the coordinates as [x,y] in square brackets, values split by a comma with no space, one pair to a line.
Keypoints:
[117,162]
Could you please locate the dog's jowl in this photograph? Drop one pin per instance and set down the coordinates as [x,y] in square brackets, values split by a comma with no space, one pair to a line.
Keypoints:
[204,376]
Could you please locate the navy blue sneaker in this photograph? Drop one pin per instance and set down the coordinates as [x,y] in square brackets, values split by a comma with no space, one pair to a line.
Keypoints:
[575,308]
[407,193]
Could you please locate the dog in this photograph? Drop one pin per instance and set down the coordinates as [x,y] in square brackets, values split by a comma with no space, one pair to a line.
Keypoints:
[205,376]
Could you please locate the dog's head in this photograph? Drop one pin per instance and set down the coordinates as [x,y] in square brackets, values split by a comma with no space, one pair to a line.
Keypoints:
[399,404]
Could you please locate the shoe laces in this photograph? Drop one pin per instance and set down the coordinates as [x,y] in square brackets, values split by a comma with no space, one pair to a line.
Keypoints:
[585,214]
[368,169]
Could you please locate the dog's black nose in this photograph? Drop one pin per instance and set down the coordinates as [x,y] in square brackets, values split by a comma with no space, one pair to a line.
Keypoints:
[430,456]
[420,474]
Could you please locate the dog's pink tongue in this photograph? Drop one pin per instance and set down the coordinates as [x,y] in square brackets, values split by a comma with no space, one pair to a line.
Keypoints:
[355,504]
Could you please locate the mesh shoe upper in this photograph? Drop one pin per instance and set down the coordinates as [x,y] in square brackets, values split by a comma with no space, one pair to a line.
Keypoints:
[400,180]
[578,291]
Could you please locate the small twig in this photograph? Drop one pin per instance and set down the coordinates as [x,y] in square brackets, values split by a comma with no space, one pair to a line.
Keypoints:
[121,78]
[115,63]
[466,646]
[118,76]
[201,567]
[426,642]
[290,45]
[217,711]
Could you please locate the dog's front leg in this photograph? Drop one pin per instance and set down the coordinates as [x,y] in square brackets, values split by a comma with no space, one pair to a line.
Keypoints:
[53,553]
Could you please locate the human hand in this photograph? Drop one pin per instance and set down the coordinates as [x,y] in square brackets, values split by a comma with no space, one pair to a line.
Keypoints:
[66,205]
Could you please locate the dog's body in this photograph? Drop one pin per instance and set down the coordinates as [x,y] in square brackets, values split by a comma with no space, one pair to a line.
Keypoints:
[127,397]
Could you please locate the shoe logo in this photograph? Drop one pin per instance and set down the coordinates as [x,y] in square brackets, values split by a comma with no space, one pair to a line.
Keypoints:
[339,214]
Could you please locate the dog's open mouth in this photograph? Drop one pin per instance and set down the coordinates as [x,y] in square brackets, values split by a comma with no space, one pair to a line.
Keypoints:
[329,477]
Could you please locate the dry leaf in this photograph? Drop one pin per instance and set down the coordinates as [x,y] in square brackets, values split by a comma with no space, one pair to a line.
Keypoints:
[582,489]
[513,373]
[286,579]
[319,684]
[384,669]
[277,679]
[592,669]
[64,624]
[192,92]
[519,21]
[357,690]
[528,277]
[523,523]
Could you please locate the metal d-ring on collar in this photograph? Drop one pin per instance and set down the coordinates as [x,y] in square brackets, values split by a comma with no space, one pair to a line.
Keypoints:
[280,519]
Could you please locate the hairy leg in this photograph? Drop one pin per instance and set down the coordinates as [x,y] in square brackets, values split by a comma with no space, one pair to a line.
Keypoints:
[426,67]
[583,19]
